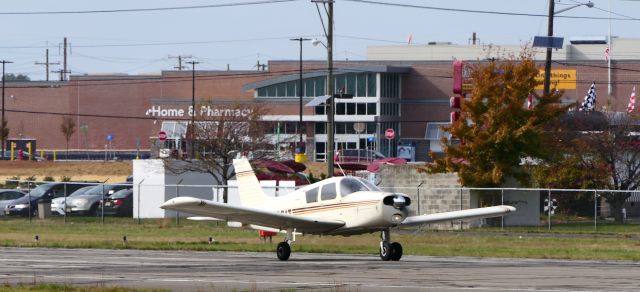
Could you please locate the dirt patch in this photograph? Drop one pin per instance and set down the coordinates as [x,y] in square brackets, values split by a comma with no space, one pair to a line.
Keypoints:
[114,171]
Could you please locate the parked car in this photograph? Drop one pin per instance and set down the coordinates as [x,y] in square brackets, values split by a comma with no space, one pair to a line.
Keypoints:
[43,193]
[357,155]
[119,204]
[58,205]
[7,196]
[87,203]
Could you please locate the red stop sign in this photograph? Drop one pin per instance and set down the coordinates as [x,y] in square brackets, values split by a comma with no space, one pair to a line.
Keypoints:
[389,134]
[162,135]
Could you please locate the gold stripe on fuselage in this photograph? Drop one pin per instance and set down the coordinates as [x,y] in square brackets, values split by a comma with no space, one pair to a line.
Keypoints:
[331,207]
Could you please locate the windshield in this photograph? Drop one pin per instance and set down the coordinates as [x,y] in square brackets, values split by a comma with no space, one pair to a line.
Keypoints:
[351,185]
[40,190]
[369,185]
[121,194]
[81,191]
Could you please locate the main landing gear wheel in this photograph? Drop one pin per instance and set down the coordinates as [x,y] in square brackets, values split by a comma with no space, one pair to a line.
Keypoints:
[283,251]
[396,251]
[385,251]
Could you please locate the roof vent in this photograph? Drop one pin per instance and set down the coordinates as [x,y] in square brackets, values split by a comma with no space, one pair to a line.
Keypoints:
[589,40]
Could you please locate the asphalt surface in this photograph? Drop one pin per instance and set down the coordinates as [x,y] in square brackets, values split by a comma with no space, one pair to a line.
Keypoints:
[224,271]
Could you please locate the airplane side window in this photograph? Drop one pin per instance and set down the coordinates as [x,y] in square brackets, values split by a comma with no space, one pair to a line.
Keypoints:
[312,195]
[328,192]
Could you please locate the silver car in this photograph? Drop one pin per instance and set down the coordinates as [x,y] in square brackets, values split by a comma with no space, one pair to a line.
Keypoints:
[87,203]
[7,196]
[58,204]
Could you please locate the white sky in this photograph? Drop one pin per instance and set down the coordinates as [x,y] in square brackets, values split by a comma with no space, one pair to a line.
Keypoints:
[242,35]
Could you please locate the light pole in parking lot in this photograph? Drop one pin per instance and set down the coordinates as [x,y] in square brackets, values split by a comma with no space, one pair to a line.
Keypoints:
[300,149]
[2,121]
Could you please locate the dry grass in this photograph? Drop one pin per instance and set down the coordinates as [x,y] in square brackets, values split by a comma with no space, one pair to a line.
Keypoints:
[90,170]
[77,171]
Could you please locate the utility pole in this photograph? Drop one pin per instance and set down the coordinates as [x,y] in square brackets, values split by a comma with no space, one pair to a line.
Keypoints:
[2,121]
[260,67]
[64,71]
[47,63]
[547,64]
[180,57]
[330,90]
[61,72]
[193,105]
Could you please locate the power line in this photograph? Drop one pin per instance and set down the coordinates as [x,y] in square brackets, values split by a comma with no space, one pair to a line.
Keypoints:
[147,9]
[483,11]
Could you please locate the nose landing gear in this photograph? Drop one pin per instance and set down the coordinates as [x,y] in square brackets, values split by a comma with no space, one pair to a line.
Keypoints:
[389,251]
[283,251]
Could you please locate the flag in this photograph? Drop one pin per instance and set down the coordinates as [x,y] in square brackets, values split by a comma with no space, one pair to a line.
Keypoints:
[606,54]
[529,102]
[632,101]
[409,39]
[589,103]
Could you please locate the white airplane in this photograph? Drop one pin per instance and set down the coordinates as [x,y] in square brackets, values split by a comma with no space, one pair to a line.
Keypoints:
[335,206]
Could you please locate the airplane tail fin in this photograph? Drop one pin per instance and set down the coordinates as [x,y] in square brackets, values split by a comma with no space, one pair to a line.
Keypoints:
[249,189]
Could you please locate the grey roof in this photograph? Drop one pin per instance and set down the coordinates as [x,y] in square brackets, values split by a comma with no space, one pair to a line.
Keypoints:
[336,71]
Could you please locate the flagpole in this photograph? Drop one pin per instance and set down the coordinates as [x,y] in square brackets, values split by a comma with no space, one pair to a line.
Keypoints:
[609,59]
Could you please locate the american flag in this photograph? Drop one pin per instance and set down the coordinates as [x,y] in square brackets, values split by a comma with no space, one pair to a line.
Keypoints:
[589,103]
[606,54]
[632,101]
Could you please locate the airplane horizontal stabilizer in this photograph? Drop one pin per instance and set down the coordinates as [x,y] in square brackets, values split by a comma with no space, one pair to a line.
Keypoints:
[458,215]
[246,215]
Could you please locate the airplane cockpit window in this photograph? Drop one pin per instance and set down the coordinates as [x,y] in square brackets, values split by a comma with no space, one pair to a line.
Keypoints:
[312,195]
[370,186]
[351,185]
[328,192]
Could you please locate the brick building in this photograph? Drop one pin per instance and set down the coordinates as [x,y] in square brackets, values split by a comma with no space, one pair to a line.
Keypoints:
[406,88]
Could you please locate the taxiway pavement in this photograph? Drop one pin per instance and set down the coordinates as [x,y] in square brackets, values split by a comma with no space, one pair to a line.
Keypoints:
[222,271]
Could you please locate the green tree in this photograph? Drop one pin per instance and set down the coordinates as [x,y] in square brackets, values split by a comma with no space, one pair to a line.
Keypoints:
[68,128]
[496,131]
[16,78]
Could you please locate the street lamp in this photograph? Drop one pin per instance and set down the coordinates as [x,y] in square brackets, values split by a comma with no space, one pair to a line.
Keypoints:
[547,65]
[300,154]
[2,121]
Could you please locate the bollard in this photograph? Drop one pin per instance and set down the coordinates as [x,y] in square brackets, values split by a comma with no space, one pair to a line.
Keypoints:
[211,240]
[36,238]
[124,241]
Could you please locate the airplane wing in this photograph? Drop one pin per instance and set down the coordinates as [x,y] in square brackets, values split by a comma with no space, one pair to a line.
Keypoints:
[247,215]
[458,215]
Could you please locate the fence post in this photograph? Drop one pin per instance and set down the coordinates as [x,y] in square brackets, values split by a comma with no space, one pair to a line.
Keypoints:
[65,203]
[418,190]
[28,194]
[460,207]
[502,203]
[549,208]
[595,211]
[177,196]
[139,194]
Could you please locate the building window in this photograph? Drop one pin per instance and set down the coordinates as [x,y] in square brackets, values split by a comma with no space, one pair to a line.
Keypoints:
[361,109]
[351,108]
[371,109]
[340,108]
[434,131]
[320,110]
[320,128]
[371,85]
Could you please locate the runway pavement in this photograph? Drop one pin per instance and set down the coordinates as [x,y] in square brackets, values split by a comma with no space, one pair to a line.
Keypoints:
[223,271]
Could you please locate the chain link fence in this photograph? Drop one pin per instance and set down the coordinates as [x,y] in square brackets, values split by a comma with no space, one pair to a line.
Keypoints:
[71,201]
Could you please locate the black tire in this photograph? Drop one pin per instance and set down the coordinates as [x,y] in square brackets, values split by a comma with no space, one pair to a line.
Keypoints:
[385,251]
[283,251]
[396,251]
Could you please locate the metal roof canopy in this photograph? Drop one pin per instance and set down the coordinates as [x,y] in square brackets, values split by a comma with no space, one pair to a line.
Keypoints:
[318,100]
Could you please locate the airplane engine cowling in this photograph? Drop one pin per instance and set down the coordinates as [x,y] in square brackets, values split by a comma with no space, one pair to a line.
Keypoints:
[398,201]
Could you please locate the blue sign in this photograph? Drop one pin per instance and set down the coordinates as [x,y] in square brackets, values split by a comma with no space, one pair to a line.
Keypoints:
[371,139]
[109,137]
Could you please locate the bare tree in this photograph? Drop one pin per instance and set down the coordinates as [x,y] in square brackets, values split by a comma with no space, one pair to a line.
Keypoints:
[68,128]
[221,135]
[596,150]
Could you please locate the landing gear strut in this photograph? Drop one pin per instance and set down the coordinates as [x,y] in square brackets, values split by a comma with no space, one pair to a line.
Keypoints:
[283,251]
[389,251]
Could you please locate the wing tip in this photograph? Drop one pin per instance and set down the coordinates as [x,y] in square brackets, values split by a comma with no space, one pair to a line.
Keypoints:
[181,201]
